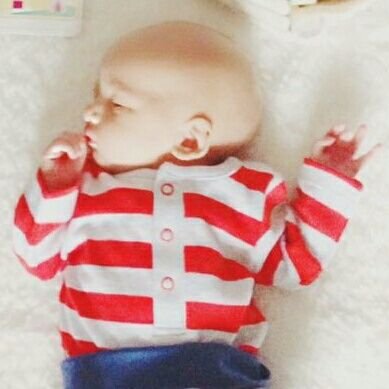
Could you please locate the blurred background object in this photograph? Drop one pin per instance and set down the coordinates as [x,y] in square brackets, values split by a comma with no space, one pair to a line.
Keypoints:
[304,17]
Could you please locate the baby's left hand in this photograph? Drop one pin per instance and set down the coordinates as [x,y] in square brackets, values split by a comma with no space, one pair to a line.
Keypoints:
[336,150]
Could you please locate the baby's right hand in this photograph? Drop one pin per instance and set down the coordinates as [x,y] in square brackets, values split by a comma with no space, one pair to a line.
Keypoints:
[63,160]
[68,143]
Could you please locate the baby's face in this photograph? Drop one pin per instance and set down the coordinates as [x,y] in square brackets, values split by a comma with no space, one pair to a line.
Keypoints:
[135,114]
[167,92]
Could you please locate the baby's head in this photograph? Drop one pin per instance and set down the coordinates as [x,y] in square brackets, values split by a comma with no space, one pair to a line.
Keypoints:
[176,91]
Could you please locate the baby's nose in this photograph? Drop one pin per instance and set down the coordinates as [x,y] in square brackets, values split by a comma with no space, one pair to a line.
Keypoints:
[93,113]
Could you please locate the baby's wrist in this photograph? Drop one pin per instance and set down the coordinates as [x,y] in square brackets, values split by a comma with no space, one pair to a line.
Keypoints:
[351,180]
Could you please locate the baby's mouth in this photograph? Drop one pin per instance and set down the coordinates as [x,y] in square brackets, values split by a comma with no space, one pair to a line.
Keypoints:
[90,142]
[92,145]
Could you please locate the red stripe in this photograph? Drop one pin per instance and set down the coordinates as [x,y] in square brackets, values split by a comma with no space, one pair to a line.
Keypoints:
[112,307]
[46,270]
[253,315]
[217,317]
[249,349]
[266,274]
[75,347]
[121,200]
[49,193]
[113,253]
[307,266]
[351,181]
[206,260]
[224,217]
[92,167]
[253,179]
[33,231]
[319,216]
[278,196]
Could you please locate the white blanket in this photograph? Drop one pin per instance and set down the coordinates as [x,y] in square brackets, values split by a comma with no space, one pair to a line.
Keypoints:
[334,335]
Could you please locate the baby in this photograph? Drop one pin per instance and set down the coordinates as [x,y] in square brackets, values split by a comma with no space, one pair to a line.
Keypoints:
[160,231]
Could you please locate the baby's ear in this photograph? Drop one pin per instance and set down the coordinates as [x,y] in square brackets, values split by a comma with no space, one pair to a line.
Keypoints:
[195,141]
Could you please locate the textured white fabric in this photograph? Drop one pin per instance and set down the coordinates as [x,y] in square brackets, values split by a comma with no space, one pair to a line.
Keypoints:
[333,335]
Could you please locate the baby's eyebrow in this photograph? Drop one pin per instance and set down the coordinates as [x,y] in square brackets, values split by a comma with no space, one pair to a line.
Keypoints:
[125,88]
[136,96]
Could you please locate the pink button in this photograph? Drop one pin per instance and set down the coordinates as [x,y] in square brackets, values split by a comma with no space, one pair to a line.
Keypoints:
[167,283]
[167,189]
[167,234]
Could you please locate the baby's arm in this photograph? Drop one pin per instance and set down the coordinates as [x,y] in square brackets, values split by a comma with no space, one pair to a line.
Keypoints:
[45,208]
[304,234]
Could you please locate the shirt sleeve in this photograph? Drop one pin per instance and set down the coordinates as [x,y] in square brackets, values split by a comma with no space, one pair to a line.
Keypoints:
[40,223]
[303,234]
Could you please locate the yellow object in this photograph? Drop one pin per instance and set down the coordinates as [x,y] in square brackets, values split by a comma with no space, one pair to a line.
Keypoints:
[38,5]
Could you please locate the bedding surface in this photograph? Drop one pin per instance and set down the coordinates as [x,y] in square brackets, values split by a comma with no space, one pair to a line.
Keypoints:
[333,335]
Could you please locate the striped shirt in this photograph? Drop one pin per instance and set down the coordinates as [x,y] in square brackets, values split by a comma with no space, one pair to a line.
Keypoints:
[170,255]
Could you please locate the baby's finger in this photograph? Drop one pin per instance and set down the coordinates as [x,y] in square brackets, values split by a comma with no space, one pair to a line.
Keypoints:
[83,148]
[78,142]
[319,146]
[336,130]
[360,134]
[59,149]
[370,154]
[54,151]
[72,152]
[346,136]
[53,154]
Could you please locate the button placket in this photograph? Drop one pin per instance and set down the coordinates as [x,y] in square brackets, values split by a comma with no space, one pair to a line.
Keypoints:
[169,308]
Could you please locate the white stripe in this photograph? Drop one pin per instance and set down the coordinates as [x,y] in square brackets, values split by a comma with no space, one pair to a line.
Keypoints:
[286,275]
[327,182]
[108,334]
[104,333]
[197,232]
[253,334]
[104,182]
[109,280]
[49,210]
[262,249]
[260,252]
[34,255]
[231,193]
[321,246]
[210,289]
[213,336]
[120,227]
[343,205]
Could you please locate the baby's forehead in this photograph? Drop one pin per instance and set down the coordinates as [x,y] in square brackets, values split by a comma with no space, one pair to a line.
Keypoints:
[156,59]
[175,43]
[149,80]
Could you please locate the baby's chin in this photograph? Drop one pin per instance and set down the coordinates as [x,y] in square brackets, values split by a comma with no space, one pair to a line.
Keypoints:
[113,167]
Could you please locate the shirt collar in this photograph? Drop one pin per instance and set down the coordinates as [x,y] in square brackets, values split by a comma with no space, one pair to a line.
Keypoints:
[225,168]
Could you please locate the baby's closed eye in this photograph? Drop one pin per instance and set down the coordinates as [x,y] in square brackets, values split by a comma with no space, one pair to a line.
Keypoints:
[119,106]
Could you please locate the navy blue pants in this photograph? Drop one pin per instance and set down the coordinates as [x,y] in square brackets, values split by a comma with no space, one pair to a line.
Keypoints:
[188,365]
